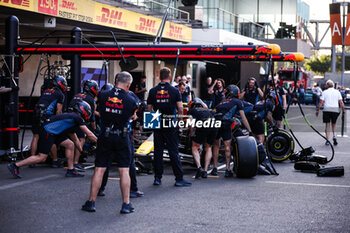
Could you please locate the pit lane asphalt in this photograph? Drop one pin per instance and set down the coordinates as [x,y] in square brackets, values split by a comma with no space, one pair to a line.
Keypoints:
[45,201]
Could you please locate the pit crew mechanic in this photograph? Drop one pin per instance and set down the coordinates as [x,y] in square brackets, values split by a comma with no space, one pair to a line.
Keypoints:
[225,111]
[115,107]
[166,98]
[251,92]
[200,112]
[90,91]
[262,110]
[280,104]
[55,130]
[134,190]
[50,103]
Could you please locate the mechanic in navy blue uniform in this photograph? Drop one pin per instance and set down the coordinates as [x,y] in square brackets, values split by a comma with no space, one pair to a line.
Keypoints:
[134,190]
[206,136]
[90,91]
[281,103]
[225,112]
[208,98]
[50,103]
[184,91]
[116,107]
[261,111]
[166,99]
[55,131]
[251,92]
[217,90]
[140,88]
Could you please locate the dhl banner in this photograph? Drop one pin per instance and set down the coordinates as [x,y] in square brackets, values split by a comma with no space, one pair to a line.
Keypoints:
[89,11]
[117,17]
[335,24]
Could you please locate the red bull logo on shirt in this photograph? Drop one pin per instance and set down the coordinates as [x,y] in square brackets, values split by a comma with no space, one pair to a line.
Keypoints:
[114,102]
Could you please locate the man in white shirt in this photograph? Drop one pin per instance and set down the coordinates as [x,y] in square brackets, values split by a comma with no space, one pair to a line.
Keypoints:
[317,92]
[331,99]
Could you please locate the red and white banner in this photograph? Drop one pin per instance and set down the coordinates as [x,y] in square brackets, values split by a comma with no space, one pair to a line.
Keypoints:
[335,24]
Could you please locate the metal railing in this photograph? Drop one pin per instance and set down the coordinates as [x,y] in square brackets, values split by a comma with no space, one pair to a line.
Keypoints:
[223,19]
[154,8]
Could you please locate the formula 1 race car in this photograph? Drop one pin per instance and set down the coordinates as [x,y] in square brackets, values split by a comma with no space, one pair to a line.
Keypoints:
[244,152]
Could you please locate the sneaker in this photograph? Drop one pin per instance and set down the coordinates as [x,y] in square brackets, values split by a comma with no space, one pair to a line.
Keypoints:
[228,173]
[79,167]
[101,193]
[327,143]
[199,172]
[57,164]
[135,194]
[89,206]
[335,141]
[182,183]
[73,173]
[214,172]
[205,174]
[157,181]
[14,170]
[126,208]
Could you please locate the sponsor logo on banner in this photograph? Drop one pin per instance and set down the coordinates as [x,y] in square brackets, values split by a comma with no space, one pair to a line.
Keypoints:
[146,25]
[76,10]
[68,5]
[175,32]
[90,11]
[48,6]
[19,3]
[111,17]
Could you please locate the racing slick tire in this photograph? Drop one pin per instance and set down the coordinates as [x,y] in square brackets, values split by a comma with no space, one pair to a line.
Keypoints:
[246,158]
[279,145]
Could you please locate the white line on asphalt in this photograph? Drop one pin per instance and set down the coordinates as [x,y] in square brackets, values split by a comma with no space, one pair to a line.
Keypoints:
[310,184]
[322,152]
[20,183]
[298,117]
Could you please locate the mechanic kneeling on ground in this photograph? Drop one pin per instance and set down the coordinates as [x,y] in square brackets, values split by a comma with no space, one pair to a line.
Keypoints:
[165,99]
[90,90]
[225,112]
[115,107]
[55,130]
[200,112]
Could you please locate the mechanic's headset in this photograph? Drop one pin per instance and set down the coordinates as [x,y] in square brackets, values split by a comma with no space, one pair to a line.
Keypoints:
[197,103]
[235,124]
[91,87]
[232,91]
[83,108]
[107,87]
[61,83]
[272,96]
